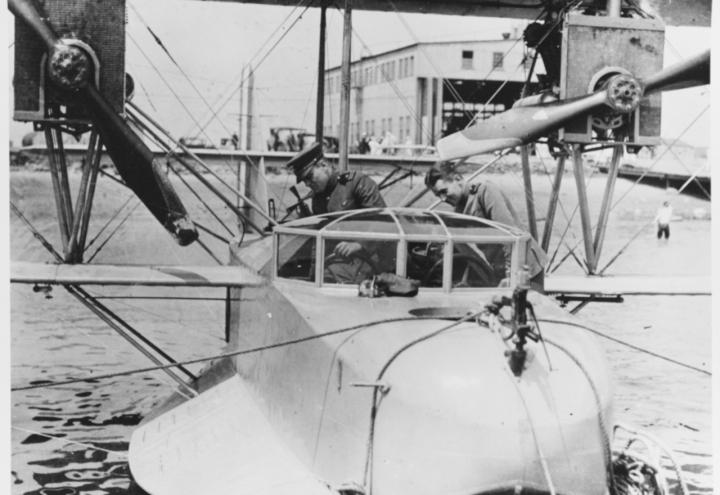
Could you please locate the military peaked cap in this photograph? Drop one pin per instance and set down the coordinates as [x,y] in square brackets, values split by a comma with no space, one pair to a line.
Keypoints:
[303,161]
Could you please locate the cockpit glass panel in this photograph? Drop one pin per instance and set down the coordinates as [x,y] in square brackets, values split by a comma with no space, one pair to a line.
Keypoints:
[351,261]
[370,221]
[296,257]
[420,223]
[481,264]
[313,222]
[470,226]
[425,263]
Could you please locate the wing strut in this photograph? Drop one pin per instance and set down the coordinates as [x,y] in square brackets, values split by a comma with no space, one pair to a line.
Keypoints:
[71,67]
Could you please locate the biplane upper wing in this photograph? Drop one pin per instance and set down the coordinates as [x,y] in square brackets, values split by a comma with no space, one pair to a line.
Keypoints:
[218,442]
[629,285]
[169,276]
[674,13]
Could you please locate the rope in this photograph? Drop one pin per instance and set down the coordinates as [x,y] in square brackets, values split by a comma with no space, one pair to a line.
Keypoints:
[600,415]
[66,440]
[627,344]
[223,355]
[376,402]
[663,447]
[533,430]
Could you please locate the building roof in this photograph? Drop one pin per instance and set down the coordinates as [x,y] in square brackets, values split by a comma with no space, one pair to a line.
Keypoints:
[416,44]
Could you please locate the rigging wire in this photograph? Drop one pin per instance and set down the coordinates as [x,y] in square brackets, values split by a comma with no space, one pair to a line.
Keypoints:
[368,476]
[154,138]
[626,344]
[233,93]
[645,172]
[639,231]
[226,354]
[113,232]
[110,220]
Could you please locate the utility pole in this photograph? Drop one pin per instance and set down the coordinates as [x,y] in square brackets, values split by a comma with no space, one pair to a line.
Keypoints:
[320,107]
[345,95]
[251,90]
[236,143]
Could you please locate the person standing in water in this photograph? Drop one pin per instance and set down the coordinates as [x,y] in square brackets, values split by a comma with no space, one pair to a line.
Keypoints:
[662,219]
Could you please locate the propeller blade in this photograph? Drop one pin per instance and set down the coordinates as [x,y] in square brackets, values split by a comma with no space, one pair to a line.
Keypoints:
[69,66]
[28,13]
[516,126]
[531,118]
[139,169]
[694,71]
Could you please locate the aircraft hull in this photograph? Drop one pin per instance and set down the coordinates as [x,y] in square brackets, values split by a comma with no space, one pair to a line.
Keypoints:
[453,418]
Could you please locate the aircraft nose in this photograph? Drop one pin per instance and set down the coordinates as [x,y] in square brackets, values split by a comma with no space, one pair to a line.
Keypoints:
[455,420]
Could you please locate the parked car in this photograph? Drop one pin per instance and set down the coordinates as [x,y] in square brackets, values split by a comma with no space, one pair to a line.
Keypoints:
[297,139]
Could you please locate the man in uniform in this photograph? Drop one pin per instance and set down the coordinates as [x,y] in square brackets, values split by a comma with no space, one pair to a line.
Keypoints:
[483,200]
[334,191]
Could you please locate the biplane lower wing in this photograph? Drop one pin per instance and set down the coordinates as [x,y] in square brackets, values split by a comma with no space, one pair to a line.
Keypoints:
[629,285]
[169,276]
[217,442]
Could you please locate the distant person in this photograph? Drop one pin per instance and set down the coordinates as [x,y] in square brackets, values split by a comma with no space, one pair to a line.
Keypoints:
[374,144]
[408,151]
[484,200]
[389,142]
[334,191]
[662,219]
[364,145]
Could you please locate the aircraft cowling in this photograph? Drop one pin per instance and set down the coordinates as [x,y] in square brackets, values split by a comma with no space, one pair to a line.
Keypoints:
[455,420]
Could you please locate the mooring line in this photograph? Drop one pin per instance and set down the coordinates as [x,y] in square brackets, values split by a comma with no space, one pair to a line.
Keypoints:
[221,356]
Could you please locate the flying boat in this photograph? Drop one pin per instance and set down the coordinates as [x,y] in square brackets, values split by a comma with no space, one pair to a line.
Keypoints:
[432,367]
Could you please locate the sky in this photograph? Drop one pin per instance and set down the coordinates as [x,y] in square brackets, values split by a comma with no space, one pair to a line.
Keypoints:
[212,41]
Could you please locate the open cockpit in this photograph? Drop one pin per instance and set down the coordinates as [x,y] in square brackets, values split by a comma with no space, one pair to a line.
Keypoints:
[440,250]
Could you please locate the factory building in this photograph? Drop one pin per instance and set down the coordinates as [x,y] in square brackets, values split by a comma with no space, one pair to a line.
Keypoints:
[427,90]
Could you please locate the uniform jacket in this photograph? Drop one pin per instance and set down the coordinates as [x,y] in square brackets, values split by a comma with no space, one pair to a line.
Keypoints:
[348,191]
[486,200]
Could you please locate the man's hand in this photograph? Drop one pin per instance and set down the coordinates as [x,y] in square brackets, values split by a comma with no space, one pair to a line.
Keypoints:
[347,249]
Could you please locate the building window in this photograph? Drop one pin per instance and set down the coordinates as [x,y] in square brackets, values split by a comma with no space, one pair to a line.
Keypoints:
[410,66]
[467,59]
[497,60]
[390,127]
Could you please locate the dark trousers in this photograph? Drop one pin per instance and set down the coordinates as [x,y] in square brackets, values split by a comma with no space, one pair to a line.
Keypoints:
[663,230]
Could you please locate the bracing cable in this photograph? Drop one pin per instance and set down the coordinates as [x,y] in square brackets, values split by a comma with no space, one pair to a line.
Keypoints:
[113,232]
[299,340]
[642,176]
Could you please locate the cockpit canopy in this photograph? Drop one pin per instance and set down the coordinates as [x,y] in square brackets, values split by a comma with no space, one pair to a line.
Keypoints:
[439,249]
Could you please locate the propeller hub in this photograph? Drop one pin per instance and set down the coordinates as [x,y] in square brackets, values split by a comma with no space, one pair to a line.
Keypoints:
[624,92]
[69,66]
